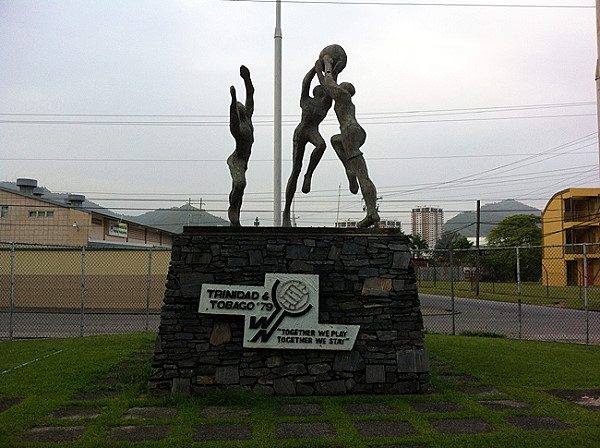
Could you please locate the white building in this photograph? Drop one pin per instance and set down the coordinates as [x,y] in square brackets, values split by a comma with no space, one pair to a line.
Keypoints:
[389,223]
[427,222]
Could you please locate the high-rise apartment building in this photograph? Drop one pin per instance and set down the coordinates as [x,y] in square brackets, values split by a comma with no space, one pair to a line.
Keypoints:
[427,222]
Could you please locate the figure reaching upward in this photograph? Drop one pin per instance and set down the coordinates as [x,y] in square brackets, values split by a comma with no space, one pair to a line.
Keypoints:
[240,126]
[351,137]
[314,111]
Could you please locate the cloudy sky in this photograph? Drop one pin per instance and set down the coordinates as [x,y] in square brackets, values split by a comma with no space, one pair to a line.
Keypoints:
[126,101]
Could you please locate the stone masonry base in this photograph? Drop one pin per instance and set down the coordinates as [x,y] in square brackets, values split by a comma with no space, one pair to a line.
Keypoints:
[366,278]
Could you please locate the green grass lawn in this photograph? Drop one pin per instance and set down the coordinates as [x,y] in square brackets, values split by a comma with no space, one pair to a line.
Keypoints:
[522,370]
[534,293]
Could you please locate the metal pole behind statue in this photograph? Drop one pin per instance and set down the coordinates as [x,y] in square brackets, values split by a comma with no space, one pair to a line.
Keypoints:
[277,121]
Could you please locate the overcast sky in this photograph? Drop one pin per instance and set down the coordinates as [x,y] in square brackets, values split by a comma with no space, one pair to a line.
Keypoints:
[127,101]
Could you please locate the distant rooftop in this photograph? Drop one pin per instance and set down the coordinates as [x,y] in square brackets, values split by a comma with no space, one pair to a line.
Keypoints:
[29,187]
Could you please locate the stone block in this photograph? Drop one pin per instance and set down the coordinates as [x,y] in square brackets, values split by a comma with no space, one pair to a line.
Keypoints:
[375,373]
[387,335]
[377,286]
[284,386]
[337,387]
[317,369]
[255,257]
[414,361]
[221,333]
[401,260]
[368,272]
[291,369]
[297,252]
[198,258]
[334,253]
[304,389]
[353,249]
[227,375]
[158,344]
[398,285]
[181,386]
[191,283]
[350,361]
[274,361]
[237,262]
[262,389]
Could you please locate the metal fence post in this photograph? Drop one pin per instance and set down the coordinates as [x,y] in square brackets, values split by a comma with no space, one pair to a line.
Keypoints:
[148,288]
[81,321]
[519,293]
[585,294]
[452,291]
[12,290]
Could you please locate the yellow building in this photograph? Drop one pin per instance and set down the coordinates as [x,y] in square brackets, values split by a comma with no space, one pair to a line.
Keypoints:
[29,214]
[571,217]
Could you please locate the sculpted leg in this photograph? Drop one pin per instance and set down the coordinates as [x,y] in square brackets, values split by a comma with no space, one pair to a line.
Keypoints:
[336,142]
[238,176]
[290,189]
[368,190]
[315,158]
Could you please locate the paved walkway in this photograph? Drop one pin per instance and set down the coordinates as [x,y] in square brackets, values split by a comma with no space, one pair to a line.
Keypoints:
[447,413]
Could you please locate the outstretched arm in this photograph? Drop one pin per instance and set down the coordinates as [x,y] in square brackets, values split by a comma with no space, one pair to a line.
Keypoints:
[306,84]
[319,71]
[234,117]
[245,74]
[326,80]
[335,71]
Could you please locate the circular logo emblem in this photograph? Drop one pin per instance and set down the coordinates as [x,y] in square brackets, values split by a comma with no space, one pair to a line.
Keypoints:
[293,296]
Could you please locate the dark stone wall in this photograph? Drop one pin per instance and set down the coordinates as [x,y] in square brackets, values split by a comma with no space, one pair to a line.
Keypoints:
[366,278]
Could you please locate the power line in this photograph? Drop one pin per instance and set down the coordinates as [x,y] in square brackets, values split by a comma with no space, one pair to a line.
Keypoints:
[129,160]
[361,3]
[453,111]
[260,123]
[384,118]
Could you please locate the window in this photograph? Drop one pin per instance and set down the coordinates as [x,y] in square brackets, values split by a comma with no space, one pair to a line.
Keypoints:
[41,214]
[3,211]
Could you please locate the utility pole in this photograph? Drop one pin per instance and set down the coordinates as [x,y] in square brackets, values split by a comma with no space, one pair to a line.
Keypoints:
[478,227]
[598,69]
[189,210]
[277,121]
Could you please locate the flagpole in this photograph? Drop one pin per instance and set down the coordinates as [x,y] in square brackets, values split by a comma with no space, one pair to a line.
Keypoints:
[277,121]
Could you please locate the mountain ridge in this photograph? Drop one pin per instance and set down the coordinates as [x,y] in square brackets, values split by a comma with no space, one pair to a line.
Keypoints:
[491,214]
[175,218]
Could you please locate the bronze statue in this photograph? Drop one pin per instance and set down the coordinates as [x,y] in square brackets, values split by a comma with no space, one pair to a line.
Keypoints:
[240,126]
[351,137]
[314,111]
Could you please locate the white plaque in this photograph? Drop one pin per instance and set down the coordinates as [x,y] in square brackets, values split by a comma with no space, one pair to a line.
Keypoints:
[284,313]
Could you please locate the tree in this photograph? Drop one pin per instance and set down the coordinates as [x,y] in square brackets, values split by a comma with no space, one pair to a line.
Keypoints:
[516,231]
[521,231]
[418,244]
[457,242]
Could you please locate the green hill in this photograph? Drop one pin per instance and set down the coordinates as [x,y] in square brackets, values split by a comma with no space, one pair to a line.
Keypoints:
[491,215]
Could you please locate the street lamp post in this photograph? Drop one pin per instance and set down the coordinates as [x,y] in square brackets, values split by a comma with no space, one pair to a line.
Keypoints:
[277,121]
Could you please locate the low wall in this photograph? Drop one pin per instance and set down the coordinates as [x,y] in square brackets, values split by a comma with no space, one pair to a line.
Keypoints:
[365,279]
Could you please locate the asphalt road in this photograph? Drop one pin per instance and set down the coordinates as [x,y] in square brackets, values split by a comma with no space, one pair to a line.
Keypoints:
[535,322]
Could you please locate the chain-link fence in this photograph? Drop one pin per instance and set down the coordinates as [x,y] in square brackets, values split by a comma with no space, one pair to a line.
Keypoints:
[542,293]
[52,291]
[547,293]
